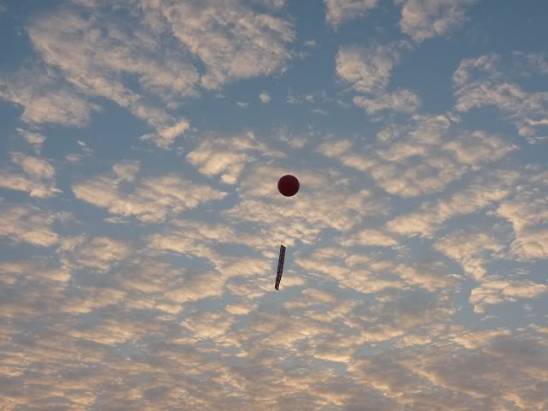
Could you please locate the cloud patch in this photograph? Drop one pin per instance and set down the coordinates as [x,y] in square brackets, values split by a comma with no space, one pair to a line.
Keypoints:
[29,225]
[338,12]
[424,19]
[151,200]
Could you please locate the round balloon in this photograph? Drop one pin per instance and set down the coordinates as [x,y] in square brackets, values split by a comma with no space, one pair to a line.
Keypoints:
[288,185]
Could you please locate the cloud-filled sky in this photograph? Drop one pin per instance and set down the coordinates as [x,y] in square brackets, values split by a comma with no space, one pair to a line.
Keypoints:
[141,144]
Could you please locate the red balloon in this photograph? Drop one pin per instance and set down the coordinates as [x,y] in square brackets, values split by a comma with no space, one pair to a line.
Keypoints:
[288,185]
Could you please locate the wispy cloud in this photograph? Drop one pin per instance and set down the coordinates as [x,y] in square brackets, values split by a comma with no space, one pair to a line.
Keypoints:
[445,157]
[46,98]
[481,82]
[140,220]
[338,12]
[28,224]
[424,19]
[152,198]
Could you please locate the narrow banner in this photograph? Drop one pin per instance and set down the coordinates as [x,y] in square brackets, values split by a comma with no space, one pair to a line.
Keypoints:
[280,267]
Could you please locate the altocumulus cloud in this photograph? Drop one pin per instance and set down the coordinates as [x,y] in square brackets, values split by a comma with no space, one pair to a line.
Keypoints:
[140,219]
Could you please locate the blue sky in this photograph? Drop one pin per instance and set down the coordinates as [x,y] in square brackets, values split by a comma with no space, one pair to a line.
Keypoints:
[142,141]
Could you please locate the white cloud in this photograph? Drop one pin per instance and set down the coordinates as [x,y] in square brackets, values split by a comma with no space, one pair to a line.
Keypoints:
[330,202]
[403,101]
[477,339]
[370,237]
[166,136]
[339,11]
[370,273]
[45,98]
[527,211]
[534,62]
[477,195]
[98,253]
[530,245]
[476,378]
[227,157]
[231,40]
[97,64]
[152,198]
[29,225]
[90,299]
[34,166]
[34,187]
[11,271]
[194,238]
[264,97]
[209,325]
[35,139]
[183,310]
[334,149]
[149,283]
[35,176]
[497,291]
[482,82]
[126,170]
[367,69]
[90,52]
[469,249]
[424,19]
[445,157]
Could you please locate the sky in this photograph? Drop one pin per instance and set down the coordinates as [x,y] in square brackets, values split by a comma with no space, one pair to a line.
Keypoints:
[140,223]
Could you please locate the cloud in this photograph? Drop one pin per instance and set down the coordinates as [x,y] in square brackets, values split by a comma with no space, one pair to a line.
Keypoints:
[481,82]
[403,101]
[338,12]
[416,248]
[151,200]
[367,70]
[34,166]
[235,45]
[98,253]
[209,242]
[531,244]
[11,271]
[330,202]
[28,224]
[371,273]
[36,140]
[227,157]
[34,188]
[469,249]
[165,137]
[264,97]
[424,19]
[482,192]
[527,211]
[533,62]
[46,98]
[126,170]
[497,291]
[370,237]
[35,176]
[107,51]
[484,377]
[444,156]
[120,61]
[209,325]
[194,238]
